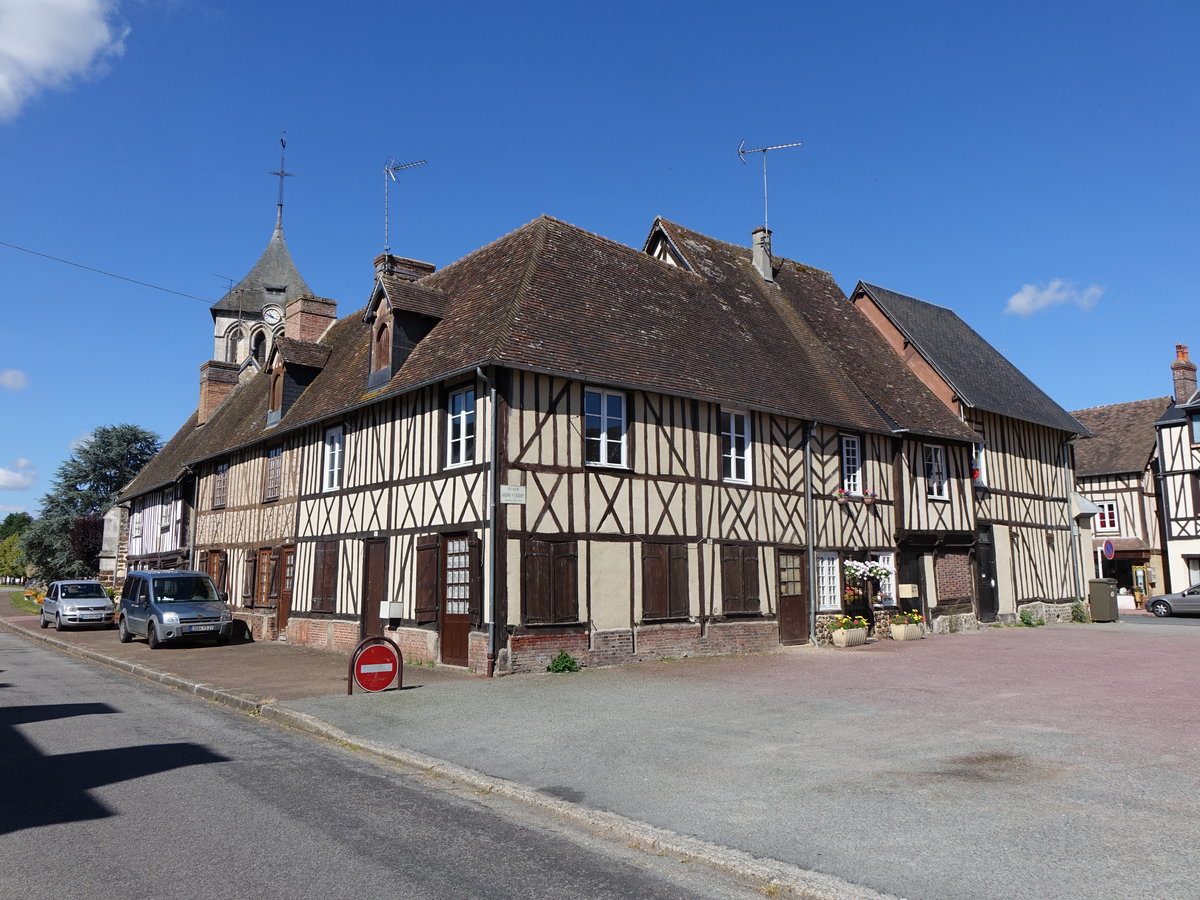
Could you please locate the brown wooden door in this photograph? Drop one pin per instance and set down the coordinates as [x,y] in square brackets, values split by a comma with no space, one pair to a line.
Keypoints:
[457,584]
[287,568]
[793,597]
[262,590]
[375,590]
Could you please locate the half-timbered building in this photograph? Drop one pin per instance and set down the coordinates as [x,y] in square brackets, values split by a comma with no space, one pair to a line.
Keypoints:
[562,443]
[1022,545]
[1117,471]
[1178,432]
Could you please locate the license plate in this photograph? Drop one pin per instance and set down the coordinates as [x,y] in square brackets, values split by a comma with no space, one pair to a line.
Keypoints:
[202,628]
[91,615]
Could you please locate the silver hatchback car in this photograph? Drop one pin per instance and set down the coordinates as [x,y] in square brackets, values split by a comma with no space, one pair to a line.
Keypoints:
[70,603]
[1185,601]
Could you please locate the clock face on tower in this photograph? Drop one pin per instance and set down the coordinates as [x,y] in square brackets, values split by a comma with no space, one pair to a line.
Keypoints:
[272,315]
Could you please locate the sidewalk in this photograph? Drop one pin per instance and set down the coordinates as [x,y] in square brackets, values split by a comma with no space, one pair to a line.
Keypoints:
[1005,763]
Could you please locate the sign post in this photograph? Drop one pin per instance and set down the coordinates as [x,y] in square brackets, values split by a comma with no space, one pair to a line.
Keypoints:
[375,666]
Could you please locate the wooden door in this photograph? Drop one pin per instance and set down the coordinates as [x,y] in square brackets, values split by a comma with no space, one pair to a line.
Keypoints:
[793,597]
[456,588]
[985,575]
[262,590]
[287,567]
[375,590]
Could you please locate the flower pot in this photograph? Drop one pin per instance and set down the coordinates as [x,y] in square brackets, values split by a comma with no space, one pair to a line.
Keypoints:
[867,501]
[906,633]
[841,498]
[849,637]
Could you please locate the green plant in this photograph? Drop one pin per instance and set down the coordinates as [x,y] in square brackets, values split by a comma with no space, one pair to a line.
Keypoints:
[564,662]
[1040,622]
[1079,613]
[847,622]
[1026,618]
[952,625]
[907,618]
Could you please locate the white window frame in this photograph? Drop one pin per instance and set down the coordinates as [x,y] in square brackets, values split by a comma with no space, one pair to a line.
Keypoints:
[851,464]
[1108,520]
[979,466]
[936,480]
[220,498]
[603,443]
[273,487]
[166,510]
[334,458]
[735,465]
[829,581]
[887,586]
[460,447]
[135,523]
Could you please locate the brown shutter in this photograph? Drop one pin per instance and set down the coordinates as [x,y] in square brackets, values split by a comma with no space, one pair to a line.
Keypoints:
[324,575]
[538,598]
[679,607]
[731,578]
[655,581]
[475,582]
[751,602]
[202,562]
[566,581]
[427,579]
[222,570]
[250,576]
[273,577]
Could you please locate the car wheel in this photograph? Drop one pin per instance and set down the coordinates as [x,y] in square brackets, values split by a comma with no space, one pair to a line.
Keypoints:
[58,625]
[42,620]
[123,634]
[1160,608]
[152,636]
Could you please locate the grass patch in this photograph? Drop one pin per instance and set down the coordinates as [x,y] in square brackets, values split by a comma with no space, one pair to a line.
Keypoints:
[23,603]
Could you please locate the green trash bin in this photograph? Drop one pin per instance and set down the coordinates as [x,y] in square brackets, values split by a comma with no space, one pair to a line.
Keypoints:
[1102,598]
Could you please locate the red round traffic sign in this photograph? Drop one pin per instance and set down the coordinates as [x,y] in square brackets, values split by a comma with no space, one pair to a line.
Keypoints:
[376,668]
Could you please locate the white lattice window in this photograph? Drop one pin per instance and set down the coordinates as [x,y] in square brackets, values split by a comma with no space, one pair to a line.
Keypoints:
[458,577]
[166,508]
[735,446]
[829,589]
[220,485]
[604,428]
[460,428]
[885,560]
[274,473]
[851,464]
[935,472]
[1106,520]
[331,468]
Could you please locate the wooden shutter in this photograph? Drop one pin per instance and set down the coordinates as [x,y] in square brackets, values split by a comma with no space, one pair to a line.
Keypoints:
[324,576]
[566,581]
[427,579]
[751,602]
[475,582]
[222,570]
[655,581]
[678,605]
[250,575]
[731,578]
[202,562]
[538,597]
[274,576]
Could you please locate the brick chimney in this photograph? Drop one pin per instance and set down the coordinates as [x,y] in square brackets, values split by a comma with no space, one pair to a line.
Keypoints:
[217,379]
[760,244]
[307,318]
[398,266]
[1184,371]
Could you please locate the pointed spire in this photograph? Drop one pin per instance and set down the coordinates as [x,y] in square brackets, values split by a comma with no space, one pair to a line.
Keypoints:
[282,173]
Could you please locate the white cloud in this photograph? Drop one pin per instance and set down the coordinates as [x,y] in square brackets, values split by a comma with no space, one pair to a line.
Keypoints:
[5,510]
[82,441]
[17,479]
[1032,298]
[47,43]
[13,379]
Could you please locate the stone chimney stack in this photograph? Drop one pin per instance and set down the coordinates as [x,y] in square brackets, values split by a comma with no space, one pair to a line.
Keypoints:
[1184,371]
[399,267]
[307,318]
[217,379]
[760,244]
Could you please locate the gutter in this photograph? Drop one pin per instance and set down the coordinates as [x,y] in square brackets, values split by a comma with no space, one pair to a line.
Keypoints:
[811,553]
[493,507]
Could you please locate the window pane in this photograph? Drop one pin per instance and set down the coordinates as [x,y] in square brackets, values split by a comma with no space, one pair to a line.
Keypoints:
[591,403]
[614,453]
[616,407]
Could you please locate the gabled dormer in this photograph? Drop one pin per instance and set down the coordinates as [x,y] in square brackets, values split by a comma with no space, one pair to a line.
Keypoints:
[292,366]
[662,246]
[401,313]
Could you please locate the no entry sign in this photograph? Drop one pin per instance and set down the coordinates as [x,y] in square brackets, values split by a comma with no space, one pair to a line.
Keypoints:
[377,665]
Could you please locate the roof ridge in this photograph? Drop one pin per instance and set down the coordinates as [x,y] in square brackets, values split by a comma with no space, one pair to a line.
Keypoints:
[507,319]
[1163,399]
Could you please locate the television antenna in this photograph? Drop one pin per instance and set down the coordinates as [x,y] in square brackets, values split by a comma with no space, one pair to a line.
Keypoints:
[742,151]
[389,175]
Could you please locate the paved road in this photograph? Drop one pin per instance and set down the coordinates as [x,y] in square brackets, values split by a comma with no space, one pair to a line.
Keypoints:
[114,788]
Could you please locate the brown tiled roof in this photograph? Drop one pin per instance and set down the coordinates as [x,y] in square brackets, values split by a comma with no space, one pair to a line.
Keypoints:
[1123,436]
[302,353]
[414,296]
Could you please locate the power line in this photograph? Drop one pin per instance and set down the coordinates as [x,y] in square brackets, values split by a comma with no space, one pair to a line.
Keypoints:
[102,272]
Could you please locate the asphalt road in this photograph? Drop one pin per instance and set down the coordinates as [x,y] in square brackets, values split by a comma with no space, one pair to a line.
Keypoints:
[114,788]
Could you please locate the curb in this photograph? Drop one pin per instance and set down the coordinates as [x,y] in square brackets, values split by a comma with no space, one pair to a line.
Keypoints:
[779,875]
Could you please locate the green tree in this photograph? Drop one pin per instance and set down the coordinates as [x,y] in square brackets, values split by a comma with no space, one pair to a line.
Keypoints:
[14,523]
[12,563]
[85,485]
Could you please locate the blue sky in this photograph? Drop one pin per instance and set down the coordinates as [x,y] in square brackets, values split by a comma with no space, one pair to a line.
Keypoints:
[1030,165]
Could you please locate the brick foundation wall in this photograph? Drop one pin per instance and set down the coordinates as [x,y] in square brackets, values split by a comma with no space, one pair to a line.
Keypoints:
[533,652]
[955,584]
[260,625]
[321,634]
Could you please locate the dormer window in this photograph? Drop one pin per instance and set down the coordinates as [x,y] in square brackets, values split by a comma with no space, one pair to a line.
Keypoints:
[275,398]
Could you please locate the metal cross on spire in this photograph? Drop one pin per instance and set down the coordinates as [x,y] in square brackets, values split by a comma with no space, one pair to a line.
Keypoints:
[742,151]
[282,173]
